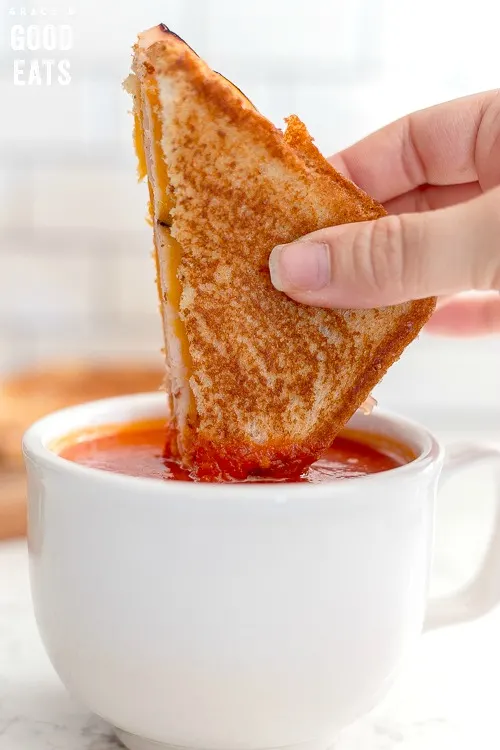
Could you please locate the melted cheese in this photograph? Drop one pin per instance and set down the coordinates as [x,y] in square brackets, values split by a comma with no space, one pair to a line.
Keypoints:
[168,252]
[163,200]
[139,147]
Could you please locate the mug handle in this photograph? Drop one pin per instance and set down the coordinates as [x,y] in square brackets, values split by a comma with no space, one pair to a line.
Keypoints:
[482,594]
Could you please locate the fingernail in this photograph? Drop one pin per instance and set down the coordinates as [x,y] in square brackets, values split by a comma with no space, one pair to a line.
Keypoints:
[301,266]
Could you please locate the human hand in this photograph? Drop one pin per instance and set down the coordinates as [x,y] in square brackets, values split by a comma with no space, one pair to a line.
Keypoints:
[437,172]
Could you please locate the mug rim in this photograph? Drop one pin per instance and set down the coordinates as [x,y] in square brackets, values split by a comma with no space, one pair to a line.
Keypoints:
[88,414]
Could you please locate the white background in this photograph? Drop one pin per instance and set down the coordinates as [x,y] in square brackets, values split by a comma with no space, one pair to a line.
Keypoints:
[75,271]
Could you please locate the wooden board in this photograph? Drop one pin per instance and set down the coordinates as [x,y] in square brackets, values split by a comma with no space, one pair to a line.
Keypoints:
[12,504]
[26,396]
[30,395]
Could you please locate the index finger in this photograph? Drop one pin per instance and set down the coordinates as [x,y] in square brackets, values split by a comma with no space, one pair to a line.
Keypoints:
[452,143]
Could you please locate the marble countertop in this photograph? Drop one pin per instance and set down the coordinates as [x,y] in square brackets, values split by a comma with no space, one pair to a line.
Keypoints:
[446,697]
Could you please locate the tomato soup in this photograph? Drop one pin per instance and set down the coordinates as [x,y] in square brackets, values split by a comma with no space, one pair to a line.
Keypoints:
[138,450]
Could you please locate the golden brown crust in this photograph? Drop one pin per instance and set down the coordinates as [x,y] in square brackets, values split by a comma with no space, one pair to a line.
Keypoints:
[273,381]
[297,136]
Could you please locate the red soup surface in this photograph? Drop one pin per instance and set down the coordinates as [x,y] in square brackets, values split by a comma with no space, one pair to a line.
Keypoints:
[138,450]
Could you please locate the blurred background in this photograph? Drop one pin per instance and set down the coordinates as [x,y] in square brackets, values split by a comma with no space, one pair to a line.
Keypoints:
[76,273]
[76,276]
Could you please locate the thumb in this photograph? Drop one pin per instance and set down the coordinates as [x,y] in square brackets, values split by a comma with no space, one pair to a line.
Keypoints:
[395,258]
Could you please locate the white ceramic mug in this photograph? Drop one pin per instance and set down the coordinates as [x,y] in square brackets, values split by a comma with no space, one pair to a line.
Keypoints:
[236,617]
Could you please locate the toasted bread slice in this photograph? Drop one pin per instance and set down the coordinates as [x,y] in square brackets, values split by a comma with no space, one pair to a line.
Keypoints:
[259,383]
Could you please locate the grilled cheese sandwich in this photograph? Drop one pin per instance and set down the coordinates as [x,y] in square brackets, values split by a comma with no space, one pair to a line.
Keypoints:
[258,384]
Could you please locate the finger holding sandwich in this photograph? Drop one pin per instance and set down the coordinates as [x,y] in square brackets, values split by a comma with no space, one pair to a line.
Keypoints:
[437,173]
